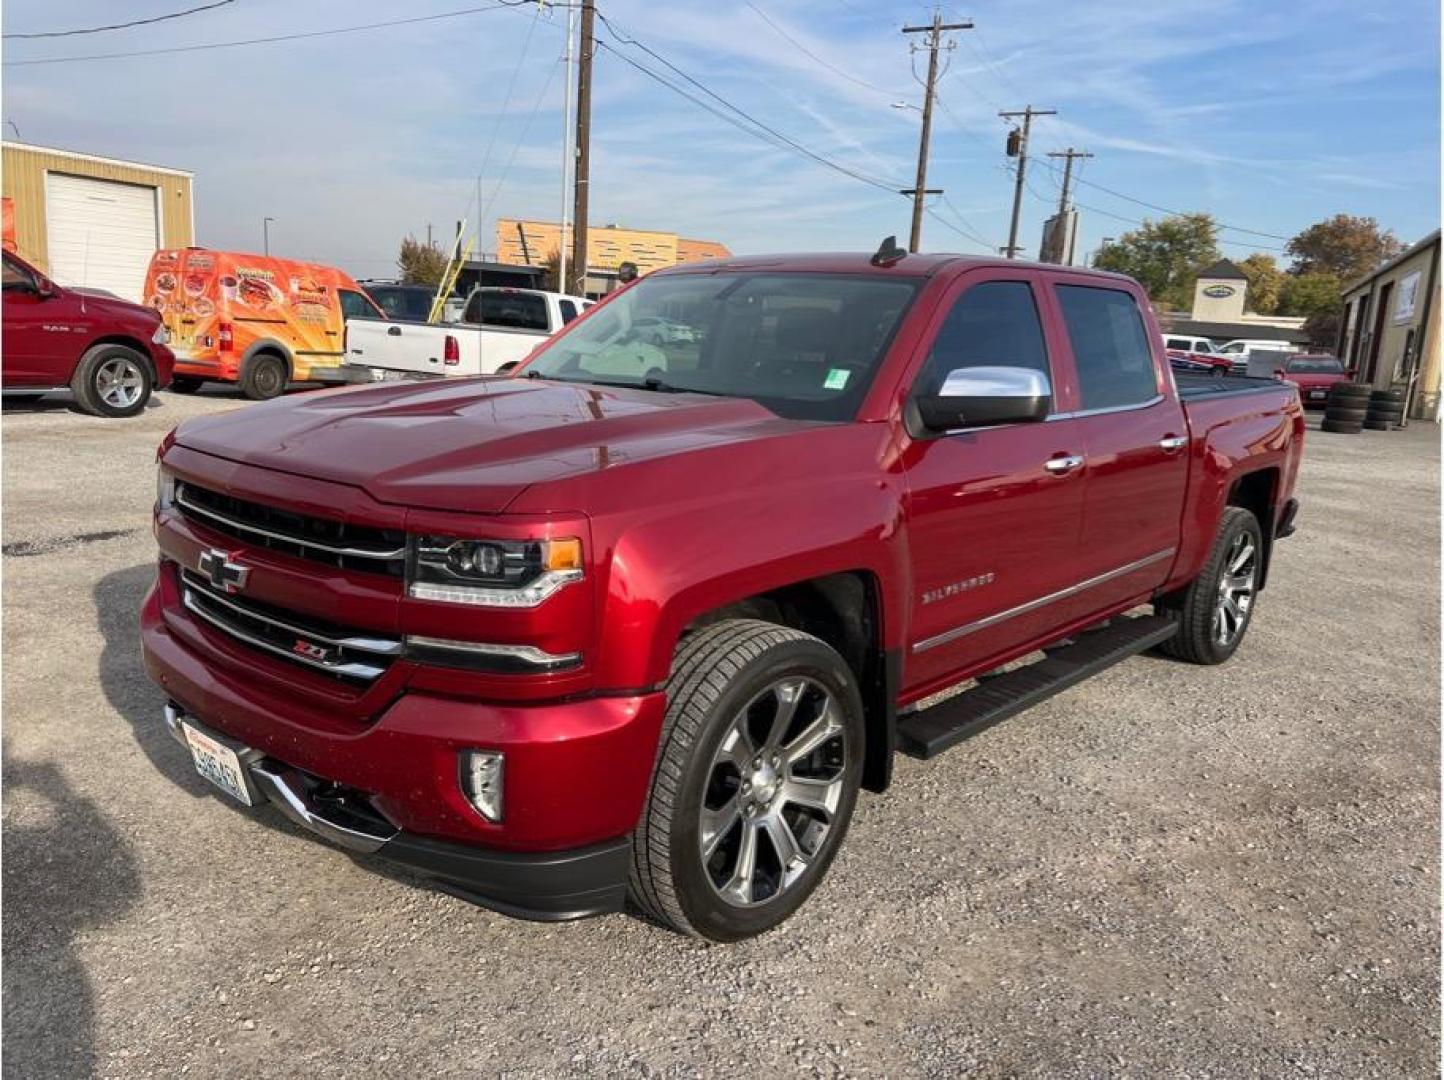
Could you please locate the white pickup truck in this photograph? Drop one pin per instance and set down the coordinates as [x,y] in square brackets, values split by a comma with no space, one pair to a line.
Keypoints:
[498,326]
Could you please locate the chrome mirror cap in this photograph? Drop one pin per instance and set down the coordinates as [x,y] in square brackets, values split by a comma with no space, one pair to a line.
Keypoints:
[995,382]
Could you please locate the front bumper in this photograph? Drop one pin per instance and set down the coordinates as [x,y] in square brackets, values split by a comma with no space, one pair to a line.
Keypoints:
[548,886]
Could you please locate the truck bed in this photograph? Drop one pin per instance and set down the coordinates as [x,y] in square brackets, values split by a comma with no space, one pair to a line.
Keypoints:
[1193,387]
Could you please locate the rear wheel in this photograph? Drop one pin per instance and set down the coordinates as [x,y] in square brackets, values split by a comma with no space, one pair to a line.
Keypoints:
[755,781]
[1213,610]
[111,381]
[185,384]
[1219,372]
[263,377]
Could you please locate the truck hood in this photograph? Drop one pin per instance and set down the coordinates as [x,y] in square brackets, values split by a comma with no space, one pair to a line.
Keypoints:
[473,445]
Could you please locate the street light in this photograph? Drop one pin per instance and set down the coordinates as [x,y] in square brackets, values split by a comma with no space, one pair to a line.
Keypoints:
[266,234]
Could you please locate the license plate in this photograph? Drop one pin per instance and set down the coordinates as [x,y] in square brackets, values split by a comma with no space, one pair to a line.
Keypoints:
[1318,395]
[218,764]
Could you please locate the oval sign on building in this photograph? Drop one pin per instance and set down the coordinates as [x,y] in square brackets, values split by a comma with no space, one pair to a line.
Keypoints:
[1219,292]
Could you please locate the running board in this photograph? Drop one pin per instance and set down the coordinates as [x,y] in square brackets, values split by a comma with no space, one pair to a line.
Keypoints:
[927,733]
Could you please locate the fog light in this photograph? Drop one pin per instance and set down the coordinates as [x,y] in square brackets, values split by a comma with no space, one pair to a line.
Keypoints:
[481,780]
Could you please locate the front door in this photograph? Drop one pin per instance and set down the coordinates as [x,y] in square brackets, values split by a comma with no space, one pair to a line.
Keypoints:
[1136,441]
[993,513]
[36,333]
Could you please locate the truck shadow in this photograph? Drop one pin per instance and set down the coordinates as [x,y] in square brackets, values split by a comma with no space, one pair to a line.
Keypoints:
[65,870]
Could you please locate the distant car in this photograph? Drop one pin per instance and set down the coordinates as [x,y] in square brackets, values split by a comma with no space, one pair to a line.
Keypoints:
[1315,375]
[1185,343]
[109,352]
[1238,350]
[399,301]
[1202,363]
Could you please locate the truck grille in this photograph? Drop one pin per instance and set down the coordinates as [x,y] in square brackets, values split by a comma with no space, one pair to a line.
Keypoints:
[352,655]
[326,540]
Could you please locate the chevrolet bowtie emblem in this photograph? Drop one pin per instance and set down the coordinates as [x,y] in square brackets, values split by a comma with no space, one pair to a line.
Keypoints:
[225,575]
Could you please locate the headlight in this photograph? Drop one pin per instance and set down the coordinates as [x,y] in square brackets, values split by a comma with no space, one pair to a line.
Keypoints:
[492,573]
[164,489]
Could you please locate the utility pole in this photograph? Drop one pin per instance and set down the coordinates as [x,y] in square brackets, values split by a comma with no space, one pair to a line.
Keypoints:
[569,150]
[266,234]
[1018,147]
[1068,155]
[584,140]
[919,191]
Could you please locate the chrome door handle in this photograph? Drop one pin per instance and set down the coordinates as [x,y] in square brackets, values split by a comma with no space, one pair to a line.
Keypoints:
[1066,463]
[1173,442]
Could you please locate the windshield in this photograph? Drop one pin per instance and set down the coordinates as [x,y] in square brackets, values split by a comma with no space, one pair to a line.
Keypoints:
[803,345]
[1319,365]
[402,302]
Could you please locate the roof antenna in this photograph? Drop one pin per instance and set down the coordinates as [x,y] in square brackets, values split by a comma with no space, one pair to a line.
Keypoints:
[888,253]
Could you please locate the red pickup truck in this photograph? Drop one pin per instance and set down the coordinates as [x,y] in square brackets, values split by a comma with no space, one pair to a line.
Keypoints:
[640,619]
[109,352]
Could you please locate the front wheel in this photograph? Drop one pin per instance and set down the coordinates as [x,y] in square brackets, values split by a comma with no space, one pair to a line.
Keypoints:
[1213,611]
[111,381]
[755,782]
[263,377]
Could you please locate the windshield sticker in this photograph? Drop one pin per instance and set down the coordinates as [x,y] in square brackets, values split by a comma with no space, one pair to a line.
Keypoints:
[836,379]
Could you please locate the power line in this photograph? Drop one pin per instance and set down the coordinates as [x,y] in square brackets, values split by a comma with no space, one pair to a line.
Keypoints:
[813,56]
[757,128]
[1166,210]
[500,117]
[120,26]
[498,5]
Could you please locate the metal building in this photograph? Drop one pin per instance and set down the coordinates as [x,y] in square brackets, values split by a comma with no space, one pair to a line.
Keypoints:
[95,221]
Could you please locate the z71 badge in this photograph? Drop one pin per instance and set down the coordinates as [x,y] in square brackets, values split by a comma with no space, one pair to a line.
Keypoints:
[942,592]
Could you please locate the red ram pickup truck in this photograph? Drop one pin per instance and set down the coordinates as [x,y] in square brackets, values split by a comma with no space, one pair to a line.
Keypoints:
[109,352]
[639,620]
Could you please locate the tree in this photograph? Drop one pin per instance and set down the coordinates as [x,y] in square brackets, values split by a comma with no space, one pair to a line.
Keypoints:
[1307,295]
[1265,282]
[1165,256]
[1345,246]
[420,264]
[553,266]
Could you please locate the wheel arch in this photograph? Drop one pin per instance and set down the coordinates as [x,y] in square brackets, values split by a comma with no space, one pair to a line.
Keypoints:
[1257,492]
[845,610]
[129,342]
[273,347]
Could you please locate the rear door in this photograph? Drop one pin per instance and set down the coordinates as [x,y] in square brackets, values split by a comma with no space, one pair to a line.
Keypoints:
[993,513]
[1135,439]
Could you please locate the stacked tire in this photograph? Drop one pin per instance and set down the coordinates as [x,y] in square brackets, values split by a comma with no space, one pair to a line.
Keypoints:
[1386,410]
[1347,409]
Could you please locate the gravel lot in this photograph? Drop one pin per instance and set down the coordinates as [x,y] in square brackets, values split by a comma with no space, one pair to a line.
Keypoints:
[1167,871]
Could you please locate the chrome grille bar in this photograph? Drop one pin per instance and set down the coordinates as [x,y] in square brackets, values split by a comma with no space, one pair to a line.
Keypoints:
[379,554]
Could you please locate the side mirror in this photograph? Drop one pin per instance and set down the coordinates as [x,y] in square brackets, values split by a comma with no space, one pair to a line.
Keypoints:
[982,396]
[1278,373]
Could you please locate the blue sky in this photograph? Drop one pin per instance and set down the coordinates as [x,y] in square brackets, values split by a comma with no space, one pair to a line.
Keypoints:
[1270,116]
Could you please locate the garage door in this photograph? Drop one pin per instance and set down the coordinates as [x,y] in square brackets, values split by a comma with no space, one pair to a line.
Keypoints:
[101,233]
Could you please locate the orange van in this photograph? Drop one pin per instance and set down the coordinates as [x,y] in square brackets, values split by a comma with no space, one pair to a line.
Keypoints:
[255,320]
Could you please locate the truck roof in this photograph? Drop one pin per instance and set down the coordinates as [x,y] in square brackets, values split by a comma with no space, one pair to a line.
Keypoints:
[923,264]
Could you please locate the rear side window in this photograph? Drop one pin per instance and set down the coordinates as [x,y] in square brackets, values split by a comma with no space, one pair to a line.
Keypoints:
[514,310]
[1178,343]
[1110,347]
[992,324]
[569,310]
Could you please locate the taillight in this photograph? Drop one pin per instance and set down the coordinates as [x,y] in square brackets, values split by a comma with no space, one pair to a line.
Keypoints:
[452,356]
[226,338]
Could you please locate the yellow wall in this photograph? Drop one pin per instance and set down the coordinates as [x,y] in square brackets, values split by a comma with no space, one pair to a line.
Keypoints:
[23,176]
[607,247]
[1392,335]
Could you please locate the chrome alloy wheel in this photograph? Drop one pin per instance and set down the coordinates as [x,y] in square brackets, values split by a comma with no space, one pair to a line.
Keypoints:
[119,382]
[772,791]
[1236,587]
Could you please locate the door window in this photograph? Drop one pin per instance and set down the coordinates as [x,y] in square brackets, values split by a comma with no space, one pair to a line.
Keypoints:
[16,279]
[568,309]
[994,324]
[1110,347]
[356,306]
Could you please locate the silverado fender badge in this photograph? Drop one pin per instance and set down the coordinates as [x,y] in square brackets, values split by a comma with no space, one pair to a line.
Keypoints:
[932,596]
[224,574]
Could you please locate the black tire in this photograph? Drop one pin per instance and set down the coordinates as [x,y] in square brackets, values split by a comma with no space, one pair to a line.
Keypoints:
[716,673]
[1349,392]
[1342,427]
[1195,606]
[264,377]
[185,384]
[1388,396]
[1219,372]
[1379,410]
[1340,412]
[1379,425]
[112,381]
